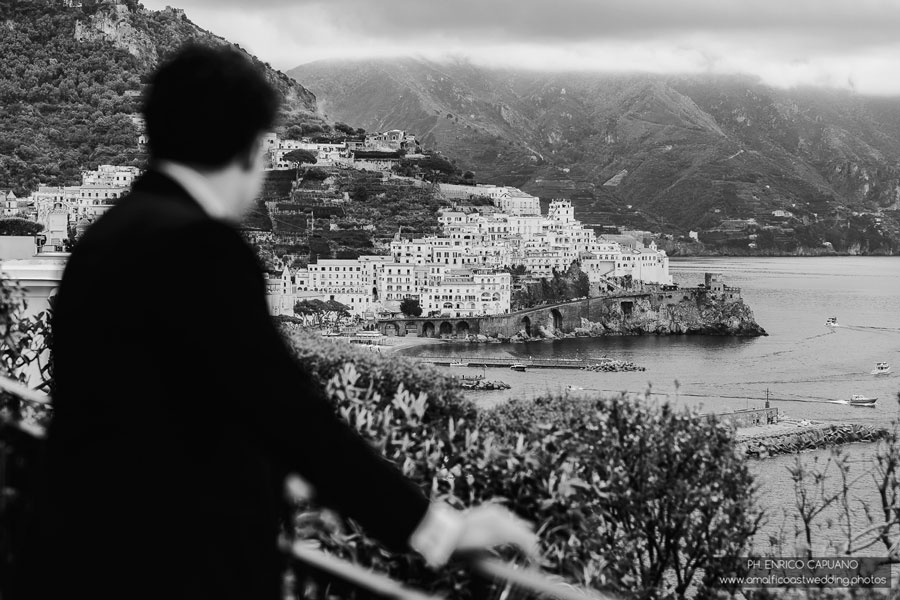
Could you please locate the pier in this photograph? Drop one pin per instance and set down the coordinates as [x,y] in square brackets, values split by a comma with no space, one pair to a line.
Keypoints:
[500,361]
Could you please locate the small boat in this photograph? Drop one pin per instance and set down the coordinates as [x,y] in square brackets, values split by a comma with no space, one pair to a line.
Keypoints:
[881,368]
[518,367]
[831,322]
[860,400]
[458,364]
[574,388]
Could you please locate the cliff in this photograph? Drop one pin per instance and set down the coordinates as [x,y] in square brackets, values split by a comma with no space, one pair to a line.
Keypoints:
[151,35]
[688,311]
[706,315]
[71,81]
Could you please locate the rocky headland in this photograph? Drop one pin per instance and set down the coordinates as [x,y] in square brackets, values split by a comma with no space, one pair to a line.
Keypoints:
[703,317]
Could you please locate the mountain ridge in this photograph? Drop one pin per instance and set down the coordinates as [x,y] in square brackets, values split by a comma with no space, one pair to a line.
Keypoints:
[692,145]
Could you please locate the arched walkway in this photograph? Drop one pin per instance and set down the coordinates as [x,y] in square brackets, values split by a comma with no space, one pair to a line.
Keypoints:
[557,320]
[526,323]
[462,328]
[446,328]
[391,329]
[428,330]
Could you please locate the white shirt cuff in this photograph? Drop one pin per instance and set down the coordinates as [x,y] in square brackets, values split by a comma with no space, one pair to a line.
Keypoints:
[437,535]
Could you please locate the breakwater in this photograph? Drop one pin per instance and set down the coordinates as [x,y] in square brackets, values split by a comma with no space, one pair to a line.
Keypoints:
[613,366]
[763,444]
[483,384]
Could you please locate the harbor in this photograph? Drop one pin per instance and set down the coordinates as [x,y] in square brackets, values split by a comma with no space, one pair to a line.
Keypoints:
[507,362]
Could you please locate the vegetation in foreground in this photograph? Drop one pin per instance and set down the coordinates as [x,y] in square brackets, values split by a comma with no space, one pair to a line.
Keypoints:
[627,495]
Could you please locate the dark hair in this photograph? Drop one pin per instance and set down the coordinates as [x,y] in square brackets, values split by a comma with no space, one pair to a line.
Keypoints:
[207,105]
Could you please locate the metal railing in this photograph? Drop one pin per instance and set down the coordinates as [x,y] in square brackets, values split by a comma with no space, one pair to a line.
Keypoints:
[315,573]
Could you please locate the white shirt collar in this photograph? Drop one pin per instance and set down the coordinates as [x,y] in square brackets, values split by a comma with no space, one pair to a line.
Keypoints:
[196,185]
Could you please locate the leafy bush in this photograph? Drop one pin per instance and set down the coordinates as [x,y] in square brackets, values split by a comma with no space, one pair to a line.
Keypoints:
[384,374]
[625,495]
[24,350]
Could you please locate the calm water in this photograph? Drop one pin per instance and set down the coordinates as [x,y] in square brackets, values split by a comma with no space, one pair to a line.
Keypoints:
[804,365]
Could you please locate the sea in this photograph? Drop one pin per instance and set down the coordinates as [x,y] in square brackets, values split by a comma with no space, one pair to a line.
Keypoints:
[806,369]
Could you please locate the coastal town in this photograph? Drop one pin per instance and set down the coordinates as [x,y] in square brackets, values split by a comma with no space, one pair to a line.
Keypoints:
[464,271]
[648,309]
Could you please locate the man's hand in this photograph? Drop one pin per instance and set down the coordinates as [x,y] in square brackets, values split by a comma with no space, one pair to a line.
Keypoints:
[490,525]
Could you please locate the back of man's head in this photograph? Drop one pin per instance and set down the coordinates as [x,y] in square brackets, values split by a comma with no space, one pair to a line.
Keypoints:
[206,106]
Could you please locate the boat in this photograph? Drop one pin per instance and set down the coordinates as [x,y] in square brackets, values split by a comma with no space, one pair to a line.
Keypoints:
[881,368]
[518,367]
[574,388]
[860,400]
[831,322]
[458,364]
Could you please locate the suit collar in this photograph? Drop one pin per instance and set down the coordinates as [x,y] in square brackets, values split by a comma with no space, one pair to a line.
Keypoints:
[156,183]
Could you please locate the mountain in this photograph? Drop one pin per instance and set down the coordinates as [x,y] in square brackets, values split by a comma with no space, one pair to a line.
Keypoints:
[71,79]
[674,152]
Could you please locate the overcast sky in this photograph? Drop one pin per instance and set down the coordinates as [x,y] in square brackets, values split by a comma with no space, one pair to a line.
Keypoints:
[841,43]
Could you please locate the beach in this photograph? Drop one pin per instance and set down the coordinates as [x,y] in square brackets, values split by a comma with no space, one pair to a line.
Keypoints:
[394,343]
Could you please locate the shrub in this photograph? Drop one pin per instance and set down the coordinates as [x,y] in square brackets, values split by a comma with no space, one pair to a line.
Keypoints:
[624,495]
[384,374]
[24,351]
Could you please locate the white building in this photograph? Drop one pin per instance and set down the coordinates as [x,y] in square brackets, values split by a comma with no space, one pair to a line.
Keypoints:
[110,176]
[462,273]
[466,292]
[509,200]
[99,190]
[394,139]
[326,153]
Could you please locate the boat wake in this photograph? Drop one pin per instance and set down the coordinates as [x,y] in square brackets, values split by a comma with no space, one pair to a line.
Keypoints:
[872,328]
[812,337]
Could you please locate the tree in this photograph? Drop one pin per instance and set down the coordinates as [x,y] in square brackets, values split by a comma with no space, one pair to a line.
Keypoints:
[410,307]
[335,311]
[438,164]
[300,157]
[16,226]
[310,310]
[343,128]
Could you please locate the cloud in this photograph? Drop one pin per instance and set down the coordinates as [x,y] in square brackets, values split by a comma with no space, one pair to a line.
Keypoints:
[786,42]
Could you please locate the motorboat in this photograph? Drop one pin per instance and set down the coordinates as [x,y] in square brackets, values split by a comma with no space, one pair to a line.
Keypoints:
[860,400]
[881,368]
[574,388]
[831,322]
[458,364]
[518,367]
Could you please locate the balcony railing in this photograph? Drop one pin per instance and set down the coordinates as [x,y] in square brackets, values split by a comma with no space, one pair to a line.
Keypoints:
[314,574]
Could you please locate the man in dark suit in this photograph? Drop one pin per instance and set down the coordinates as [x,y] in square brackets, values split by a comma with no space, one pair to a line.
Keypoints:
[179,410]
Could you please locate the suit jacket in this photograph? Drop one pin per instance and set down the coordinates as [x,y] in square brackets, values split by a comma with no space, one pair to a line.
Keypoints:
[178,412]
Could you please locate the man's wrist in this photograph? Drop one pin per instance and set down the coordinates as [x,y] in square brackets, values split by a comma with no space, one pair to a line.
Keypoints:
[438,533]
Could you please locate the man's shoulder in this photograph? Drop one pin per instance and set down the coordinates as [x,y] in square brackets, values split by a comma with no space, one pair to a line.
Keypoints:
[158,229]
